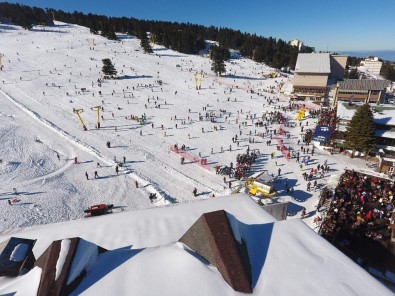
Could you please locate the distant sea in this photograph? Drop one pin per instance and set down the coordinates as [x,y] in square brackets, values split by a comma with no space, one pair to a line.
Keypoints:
[386,55]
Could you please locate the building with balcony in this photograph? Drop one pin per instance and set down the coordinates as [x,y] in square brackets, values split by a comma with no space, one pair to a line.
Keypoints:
[372,65]
[315,72]
[361,90]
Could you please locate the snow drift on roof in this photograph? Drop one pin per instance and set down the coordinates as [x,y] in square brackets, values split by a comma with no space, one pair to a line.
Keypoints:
[64,250]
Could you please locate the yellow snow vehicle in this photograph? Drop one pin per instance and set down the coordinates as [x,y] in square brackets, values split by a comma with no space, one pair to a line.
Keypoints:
[260,184]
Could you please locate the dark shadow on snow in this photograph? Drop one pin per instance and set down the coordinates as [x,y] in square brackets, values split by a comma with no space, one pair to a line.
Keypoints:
[106,263]
[133,77]
[256,238]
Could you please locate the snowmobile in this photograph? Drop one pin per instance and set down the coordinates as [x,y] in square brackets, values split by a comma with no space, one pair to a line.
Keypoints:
[100,209]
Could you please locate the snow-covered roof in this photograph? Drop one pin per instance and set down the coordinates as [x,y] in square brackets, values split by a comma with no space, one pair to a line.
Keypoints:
[363,84]
[144,249]
[384,117]
[313,63]
[385,134]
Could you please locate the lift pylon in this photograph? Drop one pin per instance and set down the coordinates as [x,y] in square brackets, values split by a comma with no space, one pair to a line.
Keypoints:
[78,111]
[198,79]
[91,43]
[152,38]
[97,108]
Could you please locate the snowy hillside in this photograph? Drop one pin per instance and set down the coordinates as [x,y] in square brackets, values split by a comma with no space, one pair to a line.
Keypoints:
[49,72]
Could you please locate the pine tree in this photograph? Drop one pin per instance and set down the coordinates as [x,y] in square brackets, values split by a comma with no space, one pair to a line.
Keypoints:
[218,66]
[26,22]
[93,27]
[359,135]
[388,71]
[218,56]
[144,42]
[108,68]
[352,74]
[111,35]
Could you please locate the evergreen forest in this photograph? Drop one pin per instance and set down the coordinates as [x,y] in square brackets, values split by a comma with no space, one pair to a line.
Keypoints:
[182,37]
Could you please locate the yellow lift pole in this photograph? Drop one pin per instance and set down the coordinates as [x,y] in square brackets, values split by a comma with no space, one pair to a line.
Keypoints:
[97,108]
[196,80]
[201,79]
[78,111]
[91,43]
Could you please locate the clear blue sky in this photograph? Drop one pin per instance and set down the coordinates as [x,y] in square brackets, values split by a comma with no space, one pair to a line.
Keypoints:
[328,25]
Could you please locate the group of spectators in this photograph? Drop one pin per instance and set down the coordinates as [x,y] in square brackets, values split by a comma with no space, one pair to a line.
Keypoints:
[244,163]
[363,205]
[327,117]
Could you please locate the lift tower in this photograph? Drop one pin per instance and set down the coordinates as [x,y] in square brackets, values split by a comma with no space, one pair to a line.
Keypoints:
[97,108]
[78,113]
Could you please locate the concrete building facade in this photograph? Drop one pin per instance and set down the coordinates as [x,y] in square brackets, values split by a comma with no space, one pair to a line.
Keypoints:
[361,90]
[372,65]
[315,72]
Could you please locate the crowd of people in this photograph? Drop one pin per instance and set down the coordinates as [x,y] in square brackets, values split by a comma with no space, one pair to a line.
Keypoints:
[363,205]
[327,117]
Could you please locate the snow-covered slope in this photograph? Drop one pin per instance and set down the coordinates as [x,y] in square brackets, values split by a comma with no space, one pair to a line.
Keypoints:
[41,83]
